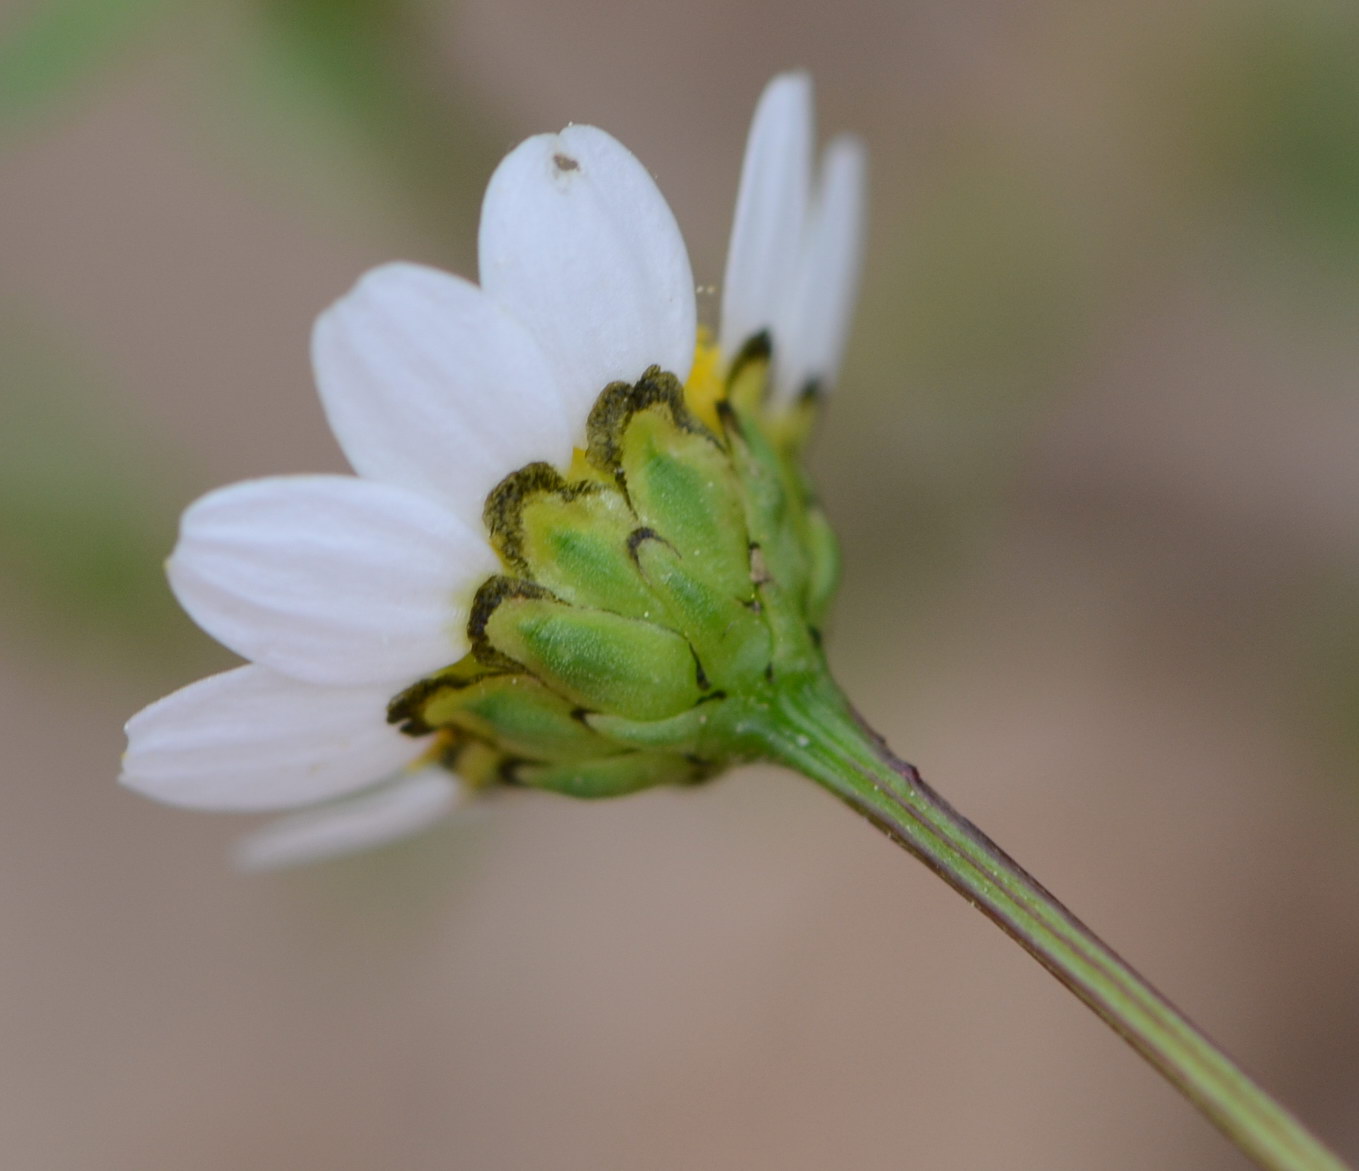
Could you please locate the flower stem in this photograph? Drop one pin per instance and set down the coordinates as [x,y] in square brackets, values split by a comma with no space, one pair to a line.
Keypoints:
[809,726]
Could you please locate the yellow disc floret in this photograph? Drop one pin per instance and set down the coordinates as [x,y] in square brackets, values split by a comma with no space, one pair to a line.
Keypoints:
[707,383]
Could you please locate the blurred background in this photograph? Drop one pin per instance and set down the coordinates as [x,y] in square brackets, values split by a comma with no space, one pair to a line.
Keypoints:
[1093,461]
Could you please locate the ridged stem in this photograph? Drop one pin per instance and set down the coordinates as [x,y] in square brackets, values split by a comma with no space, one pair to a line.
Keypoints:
[807,725]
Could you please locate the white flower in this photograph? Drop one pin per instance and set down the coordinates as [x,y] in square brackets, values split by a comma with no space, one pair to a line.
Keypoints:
[342,591]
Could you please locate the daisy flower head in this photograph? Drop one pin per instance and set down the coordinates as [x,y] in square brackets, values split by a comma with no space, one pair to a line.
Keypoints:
[579,534]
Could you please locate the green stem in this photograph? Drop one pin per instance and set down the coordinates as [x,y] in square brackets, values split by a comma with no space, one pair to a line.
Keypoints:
[807,725]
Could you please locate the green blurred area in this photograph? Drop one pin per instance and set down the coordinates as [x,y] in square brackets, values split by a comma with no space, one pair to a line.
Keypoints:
[1268,102]
[56,51]
[359,70]
[87,511]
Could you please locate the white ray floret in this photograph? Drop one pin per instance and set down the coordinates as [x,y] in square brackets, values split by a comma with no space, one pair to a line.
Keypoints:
[251,739]
[815,324]
[361,822]
[771,212]
[330,579]
[430,384]
[577,241]
[796,248]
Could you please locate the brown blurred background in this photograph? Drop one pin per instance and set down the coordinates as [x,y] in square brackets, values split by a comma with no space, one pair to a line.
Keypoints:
[1094,466]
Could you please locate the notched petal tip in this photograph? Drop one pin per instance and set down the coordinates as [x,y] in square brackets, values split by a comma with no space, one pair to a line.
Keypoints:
[578,242]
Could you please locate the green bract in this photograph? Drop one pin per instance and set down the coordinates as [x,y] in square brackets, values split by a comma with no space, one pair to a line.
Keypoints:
[647,600]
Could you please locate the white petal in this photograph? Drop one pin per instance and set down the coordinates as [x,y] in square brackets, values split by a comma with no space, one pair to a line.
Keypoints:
[330,579]
[828,273]
[771,211]
[250,739]
[577,241]
[429,384]
[383,815]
